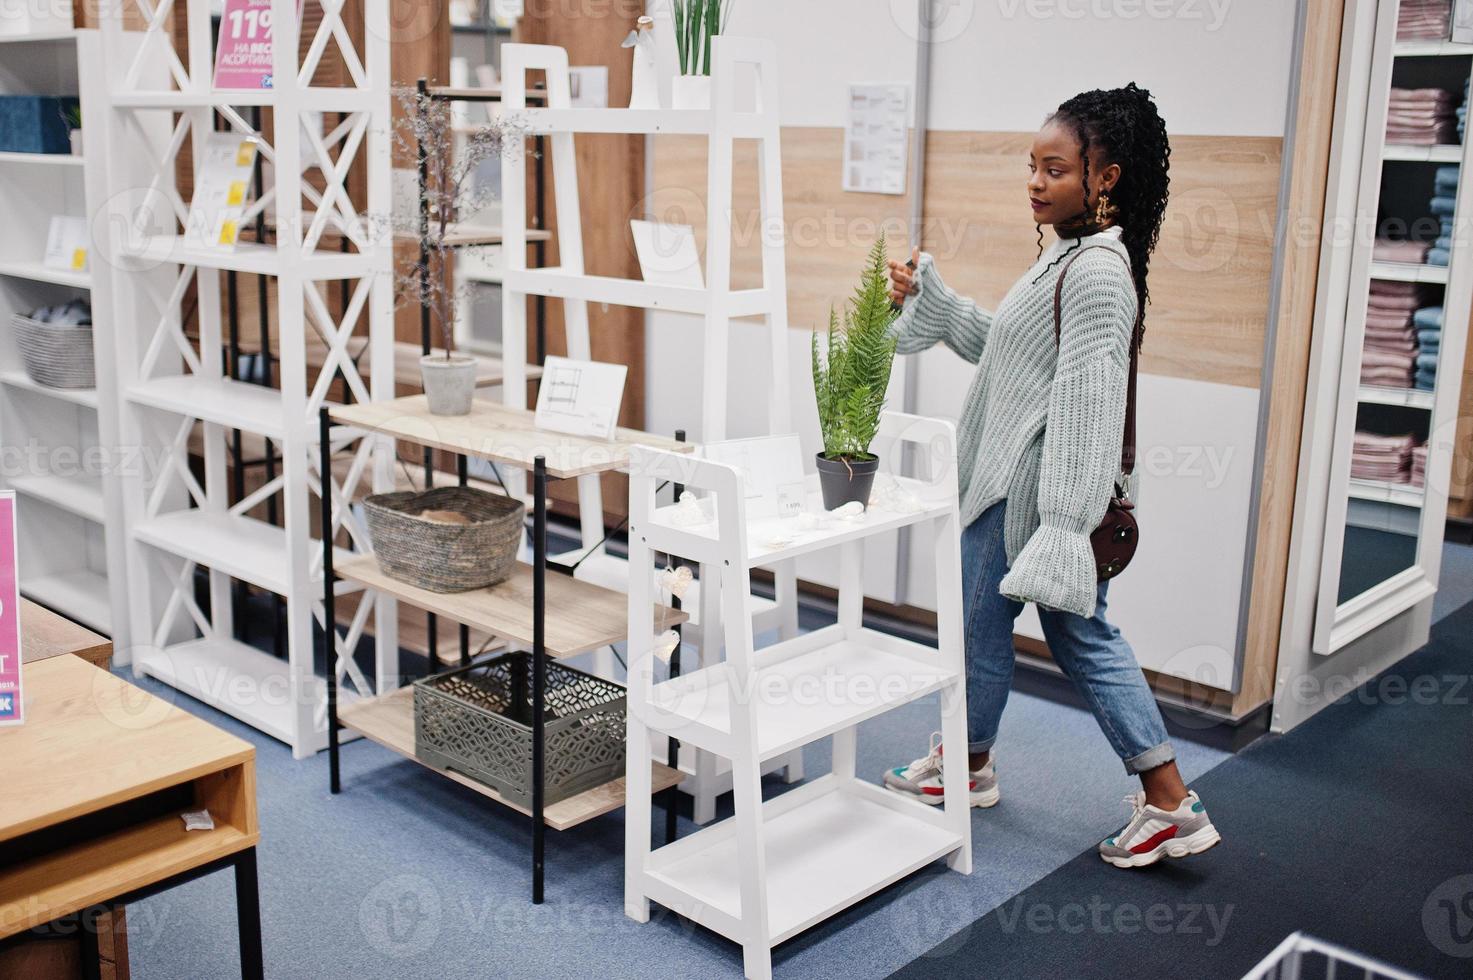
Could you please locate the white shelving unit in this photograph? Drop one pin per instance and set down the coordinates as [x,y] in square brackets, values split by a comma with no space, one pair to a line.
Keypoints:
[62,462]
[777,868]
[170,385]
[717,303]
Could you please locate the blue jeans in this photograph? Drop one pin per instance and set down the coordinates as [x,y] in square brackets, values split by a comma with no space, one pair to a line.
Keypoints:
[1090,652]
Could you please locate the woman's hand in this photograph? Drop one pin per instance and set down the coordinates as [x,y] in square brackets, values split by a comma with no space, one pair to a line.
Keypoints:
[902,278]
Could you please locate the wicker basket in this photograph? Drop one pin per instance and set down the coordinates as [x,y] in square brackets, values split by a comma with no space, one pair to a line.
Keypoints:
[478,721]
[55,355]
[444,557]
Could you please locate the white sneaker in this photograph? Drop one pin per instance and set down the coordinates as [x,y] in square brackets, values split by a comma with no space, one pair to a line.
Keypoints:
[1153,833]
[921,780]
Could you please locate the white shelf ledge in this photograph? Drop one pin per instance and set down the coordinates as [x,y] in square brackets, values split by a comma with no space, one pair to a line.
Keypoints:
[1428,49]
[42,159]
[16,378]
[1408,272]
[40,37]
[556,283]
[1401,494]
[1408,397]
[653,122]
[80,495]
[239,680]
[828,843]
[252,257]
[775,539]
[803,689]
[79,594]
[1439,153]
[36,272]
[242,547]
[316,98]
[237,404]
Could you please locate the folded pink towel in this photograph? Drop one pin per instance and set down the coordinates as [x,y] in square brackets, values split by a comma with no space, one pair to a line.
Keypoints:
[1392,304]
[1387,250]
[1394,287]
[1387,321]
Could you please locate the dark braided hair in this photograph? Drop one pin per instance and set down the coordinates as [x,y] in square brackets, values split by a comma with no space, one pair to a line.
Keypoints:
[1123,124]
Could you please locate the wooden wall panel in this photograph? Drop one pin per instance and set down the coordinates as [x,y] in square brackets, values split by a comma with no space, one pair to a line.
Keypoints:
[1209,279]
[1460,489]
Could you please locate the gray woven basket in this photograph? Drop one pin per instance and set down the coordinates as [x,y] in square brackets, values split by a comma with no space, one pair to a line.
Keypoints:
[444,557]
[478,721]
[55,355]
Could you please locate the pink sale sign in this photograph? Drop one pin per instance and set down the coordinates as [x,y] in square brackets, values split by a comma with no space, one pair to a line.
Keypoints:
[10,694]
[243,56]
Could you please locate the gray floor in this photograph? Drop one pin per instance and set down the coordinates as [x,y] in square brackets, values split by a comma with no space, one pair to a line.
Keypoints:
[1455,582]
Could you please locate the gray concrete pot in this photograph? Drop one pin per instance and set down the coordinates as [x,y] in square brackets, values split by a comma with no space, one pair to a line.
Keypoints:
[449,383]
[844,480]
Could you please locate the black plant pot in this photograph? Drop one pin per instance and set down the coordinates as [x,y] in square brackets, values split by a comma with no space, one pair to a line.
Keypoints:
[843,480]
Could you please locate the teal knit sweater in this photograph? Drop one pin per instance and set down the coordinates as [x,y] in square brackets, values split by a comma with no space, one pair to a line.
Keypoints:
[1041,424]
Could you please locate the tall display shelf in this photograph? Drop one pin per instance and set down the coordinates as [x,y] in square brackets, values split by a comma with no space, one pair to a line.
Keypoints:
[717,302]
[774,869]
[1400,178]
[169,385]
[59,441]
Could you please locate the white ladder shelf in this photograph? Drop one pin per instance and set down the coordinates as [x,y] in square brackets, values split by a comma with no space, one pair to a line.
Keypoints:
[716,302]
[777,868]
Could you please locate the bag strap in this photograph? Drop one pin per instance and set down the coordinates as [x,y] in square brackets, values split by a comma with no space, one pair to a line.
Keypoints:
[1127,441]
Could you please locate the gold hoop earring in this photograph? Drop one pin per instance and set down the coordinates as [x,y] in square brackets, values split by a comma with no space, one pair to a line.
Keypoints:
[1105,211]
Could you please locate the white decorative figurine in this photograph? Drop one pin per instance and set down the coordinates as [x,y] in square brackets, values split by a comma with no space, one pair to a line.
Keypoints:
[645,92]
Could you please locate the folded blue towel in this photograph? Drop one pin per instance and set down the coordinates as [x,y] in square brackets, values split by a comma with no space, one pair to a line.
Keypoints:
[1427,362]
[1438,256]
[1446,224]
[1428,317]
[1425,384]
[1445,180]
[1443,205]
[1444,241]
[1429,338]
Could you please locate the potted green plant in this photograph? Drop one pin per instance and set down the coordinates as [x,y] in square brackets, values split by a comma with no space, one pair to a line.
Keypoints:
[696,22]
[850,378]
[73,116]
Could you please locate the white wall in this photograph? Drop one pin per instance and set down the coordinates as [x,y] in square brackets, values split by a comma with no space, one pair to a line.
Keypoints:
[1215,67]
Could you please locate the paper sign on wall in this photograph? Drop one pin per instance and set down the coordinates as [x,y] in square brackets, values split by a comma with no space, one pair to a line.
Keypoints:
[772,471]
[580,397]
[11,705]
[875,139]
[243,55]
[66,244]
[222,183]
[588,86]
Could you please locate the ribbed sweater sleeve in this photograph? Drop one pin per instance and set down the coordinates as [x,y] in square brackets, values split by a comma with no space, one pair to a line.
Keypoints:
[1081,445]
[937,315]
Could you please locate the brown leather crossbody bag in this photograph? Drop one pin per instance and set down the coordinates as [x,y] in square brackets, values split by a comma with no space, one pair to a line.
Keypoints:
[1114,541]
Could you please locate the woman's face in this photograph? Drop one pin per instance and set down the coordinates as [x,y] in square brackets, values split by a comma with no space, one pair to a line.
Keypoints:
[1056,176]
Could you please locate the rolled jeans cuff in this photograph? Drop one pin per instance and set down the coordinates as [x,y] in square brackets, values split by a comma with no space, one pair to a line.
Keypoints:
[1149,759]
[983,746]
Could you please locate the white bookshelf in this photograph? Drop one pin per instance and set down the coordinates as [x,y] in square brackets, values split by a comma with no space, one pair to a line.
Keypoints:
[779,867]
[716,303]
[62,462]
[175,387]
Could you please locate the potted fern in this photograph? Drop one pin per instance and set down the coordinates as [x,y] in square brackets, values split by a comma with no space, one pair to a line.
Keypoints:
[849,382]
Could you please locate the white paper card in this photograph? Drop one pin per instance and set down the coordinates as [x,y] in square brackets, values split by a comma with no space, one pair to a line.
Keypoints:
[580,398]
[66,244]
[772,470]
[222,184]
[875,138]
[667,254]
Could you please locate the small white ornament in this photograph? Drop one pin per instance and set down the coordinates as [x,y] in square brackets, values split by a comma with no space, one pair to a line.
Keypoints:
[676,580]
[852,511]
[688,513]
[665,645]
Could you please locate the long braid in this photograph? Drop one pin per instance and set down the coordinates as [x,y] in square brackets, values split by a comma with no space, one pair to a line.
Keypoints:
[1125,126]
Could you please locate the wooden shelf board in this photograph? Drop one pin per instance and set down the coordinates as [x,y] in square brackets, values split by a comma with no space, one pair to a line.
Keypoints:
[100,752]
[80,495]
[109,866]
[414,631]
[471,235]
[500,434]
[580,616]
[389,721]
[36,272]
[80,594]
[17,378]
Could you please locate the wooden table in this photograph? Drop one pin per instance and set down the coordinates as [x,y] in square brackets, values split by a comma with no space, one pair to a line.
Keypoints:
[44,634]
[94,783]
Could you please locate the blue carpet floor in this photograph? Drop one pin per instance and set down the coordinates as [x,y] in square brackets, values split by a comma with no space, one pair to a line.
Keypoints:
[408,875]
[1354,828]
[1455,580]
